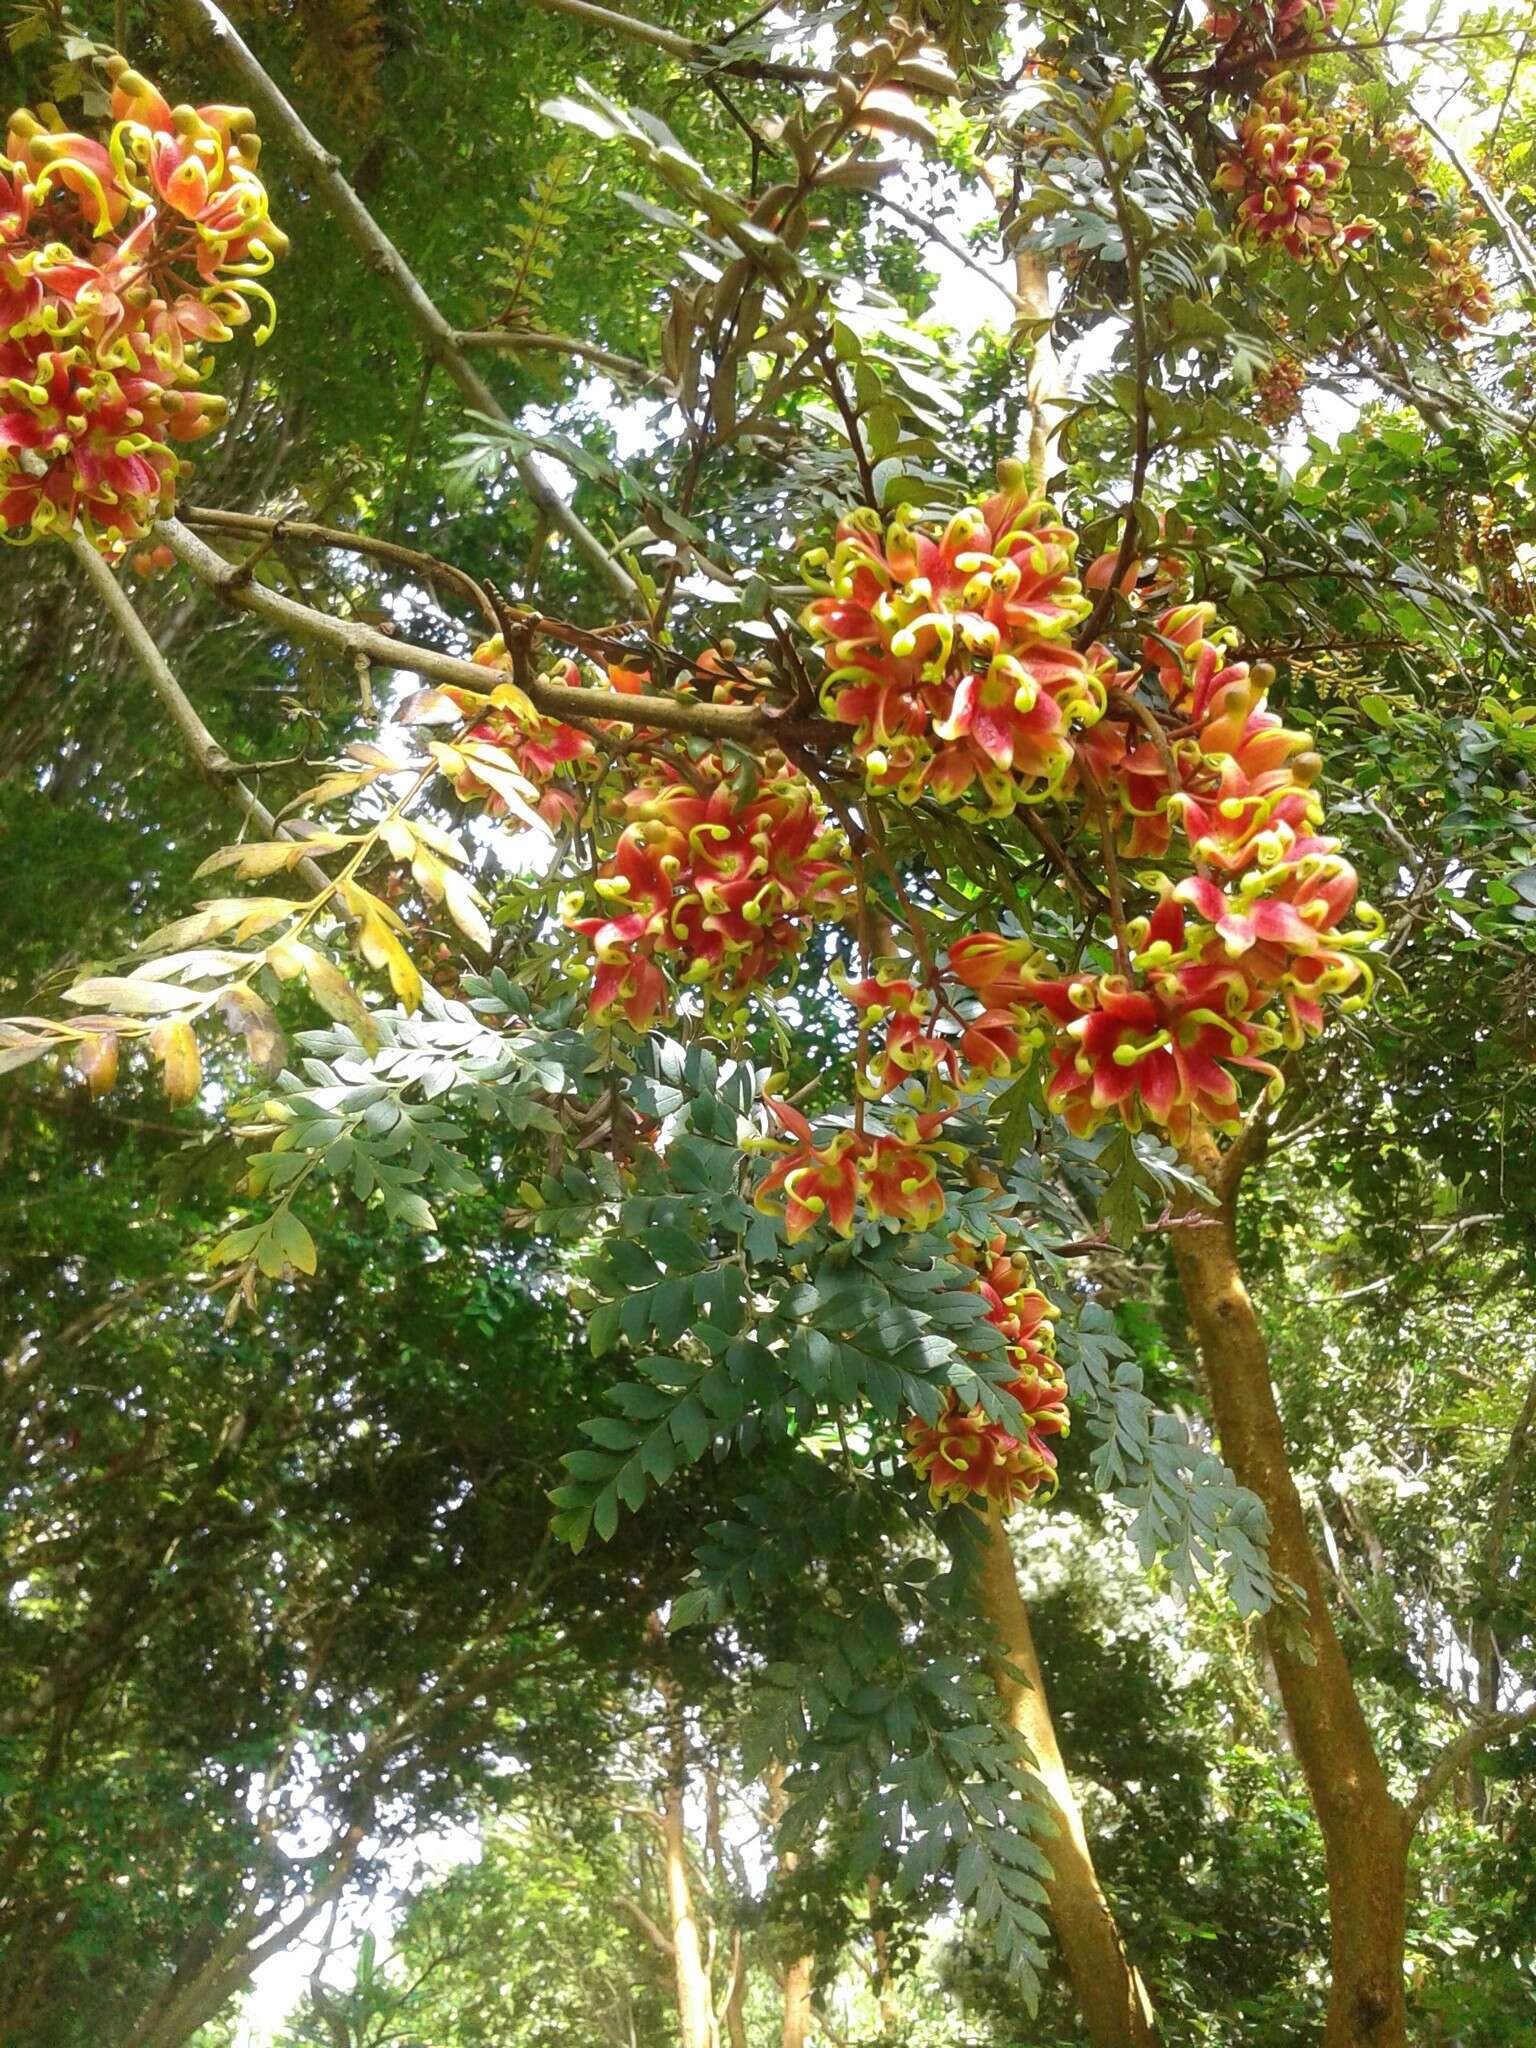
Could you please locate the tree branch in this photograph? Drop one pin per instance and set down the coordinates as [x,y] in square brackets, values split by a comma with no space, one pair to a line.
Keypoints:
[613,23]
[646,1925]
[1458,1754]
[1514,236]
[381,256]
[526,341]
[746,724]
[210,757]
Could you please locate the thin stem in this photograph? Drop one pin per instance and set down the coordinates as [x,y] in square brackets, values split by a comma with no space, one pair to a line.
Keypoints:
[308,530]
[850,420]
[210,757]
[381,256]
[528,341]
[1143,373]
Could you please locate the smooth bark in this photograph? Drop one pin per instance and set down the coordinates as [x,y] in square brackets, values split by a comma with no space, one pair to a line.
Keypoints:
[1111,1996]
[1365,1834]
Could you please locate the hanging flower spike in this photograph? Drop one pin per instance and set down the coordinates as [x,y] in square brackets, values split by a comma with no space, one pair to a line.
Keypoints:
[1277,390]
[117,275]
[731,866]
[1285,172]
[964,1456]
[908,1055]
[901,1174]
[1458,297]
[947,649]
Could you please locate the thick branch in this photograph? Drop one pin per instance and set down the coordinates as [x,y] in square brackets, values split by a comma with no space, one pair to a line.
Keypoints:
[646,1925]
[385,261]
[743,723]
[1456,1755]
[1117,2013]
[200,742]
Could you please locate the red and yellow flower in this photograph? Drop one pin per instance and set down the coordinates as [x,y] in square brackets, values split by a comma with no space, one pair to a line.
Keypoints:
[121,264]
[948,653]
[964,1455]
[1286,173]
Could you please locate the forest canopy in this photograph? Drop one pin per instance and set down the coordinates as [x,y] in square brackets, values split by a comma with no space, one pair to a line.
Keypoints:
[767,1035]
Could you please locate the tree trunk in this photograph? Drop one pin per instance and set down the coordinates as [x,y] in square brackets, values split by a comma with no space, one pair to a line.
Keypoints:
[797,1974]
[736,1996]
[885,2005]
[797,2002]
[695,2004]
[1110,1994]
[1365,1836]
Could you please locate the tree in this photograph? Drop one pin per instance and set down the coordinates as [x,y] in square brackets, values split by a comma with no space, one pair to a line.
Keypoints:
[1022,847]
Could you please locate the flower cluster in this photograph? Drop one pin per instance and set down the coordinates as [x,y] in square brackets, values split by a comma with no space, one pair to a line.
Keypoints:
[1287,174]
[1277,390]
[886,1176]
[720,870]
[554,758]
[1456,298]
[1235,960]
[947,650]
[121,265]
[964,1455]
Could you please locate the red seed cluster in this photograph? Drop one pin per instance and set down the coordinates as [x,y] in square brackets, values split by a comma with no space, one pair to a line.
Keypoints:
[122,264]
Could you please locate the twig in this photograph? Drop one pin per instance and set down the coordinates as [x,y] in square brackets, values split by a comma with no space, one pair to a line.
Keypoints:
[745,723]
[210,757]
[381,256]
[280,527]
[1457,1754]
[526,341]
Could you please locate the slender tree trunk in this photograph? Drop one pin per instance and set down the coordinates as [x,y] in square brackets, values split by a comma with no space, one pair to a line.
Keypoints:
[797,1974]
[797,2002]
[695,2003]
[1365,1835]
[885,2005]
[736,1996]
[1110,1994]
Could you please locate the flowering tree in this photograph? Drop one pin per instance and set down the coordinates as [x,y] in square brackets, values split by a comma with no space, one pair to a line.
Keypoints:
[881,880]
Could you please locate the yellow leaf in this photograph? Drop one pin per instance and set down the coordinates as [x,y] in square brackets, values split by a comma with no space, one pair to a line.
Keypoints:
[95,1060]
[270,856]
[289,958]
[245,1012]
[339,999]
[174,1044]
[448,844]
[513,789]
[399,837]
[430,873]
[376,757]
[329,788]
[130,996]
[464,907]
[380,948]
